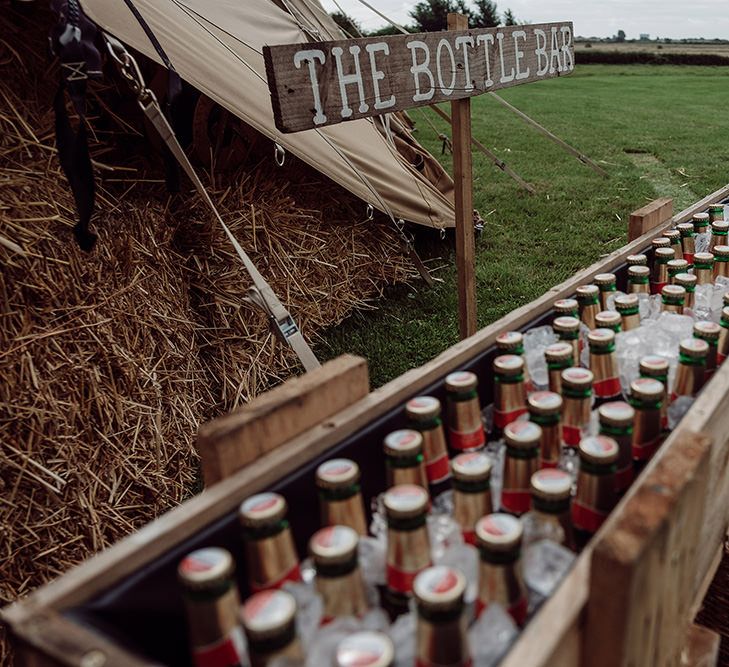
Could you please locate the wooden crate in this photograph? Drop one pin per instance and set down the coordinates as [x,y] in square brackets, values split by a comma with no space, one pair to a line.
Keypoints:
[629,599]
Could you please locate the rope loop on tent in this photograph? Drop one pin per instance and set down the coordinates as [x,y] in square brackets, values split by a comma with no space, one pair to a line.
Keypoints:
[370,212]
[442,233]
[279,154]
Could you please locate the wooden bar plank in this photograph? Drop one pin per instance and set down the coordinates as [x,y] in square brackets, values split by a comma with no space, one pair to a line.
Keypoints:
[701,647]
[649,216]
[318,84]
[644,562]
[463,184]
[234,440]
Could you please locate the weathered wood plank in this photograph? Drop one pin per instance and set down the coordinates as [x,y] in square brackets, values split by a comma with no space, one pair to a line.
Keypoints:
[233,441]
[649,216]
[701,647]
[319,84]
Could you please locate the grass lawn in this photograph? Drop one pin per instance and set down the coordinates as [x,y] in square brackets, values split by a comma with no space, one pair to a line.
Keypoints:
[659,131]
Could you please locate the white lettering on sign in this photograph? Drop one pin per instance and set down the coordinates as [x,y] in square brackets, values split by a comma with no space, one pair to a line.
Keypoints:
[423,68]
[349,79]
[309,57]
[378,75]
[450,67]
[486,40]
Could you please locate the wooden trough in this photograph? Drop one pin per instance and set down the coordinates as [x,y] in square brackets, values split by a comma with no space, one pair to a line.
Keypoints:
[630,598]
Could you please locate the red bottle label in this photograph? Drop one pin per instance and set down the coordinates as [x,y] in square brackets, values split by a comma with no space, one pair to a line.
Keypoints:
[720,358]
[400,581]
[465,441]
[548,464]
[502,419]
[689,257]
[644,451]
[607,388]
[228,652]
[294,574]
[438,470]
[518,611]
[469,537]
[587,518]
[571,435]
[516,501]
[624,478]
[657,288]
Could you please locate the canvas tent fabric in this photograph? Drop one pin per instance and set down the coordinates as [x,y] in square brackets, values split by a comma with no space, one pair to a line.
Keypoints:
[217,47]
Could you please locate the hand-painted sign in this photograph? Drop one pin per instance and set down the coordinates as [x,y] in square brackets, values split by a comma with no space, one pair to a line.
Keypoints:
[323,83]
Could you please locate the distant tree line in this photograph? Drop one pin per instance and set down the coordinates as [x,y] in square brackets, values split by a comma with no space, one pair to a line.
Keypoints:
[432,15]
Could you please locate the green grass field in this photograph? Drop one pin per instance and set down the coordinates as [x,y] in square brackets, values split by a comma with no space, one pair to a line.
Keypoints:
[659,131]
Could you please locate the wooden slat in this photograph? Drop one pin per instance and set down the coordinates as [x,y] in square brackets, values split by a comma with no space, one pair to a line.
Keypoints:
[701,647]
[463,185]
[644,563]
[550,639]
[323,83]
[233,441]
[649,216]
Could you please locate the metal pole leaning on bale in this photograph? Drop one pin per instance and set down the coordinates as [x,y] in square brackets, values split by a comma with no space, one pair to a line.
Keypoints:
[550,135]
[463,182]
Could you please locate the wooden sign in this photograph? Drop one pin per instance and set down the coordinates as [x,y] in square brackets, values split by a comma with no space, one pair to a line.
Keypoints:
[323,83]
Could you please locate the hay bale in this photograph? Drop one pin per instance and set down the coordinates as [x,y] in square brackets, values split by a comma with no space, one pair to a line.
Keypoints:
[111,360]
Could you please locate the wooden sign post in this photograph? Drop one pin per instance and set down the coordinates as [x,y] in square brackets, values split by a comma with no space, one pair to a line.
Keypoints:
[323,83]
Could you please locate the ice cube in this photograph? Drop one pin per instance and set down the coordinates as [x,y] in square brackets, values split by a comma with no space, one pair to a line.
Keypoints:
[491,636]
[308,572]
[487,417]
[402,633]
[538,338]
[537,365]
[372,556]
[611,299]
[323,645]
[378,525]
[702,302]
[309,610]
[443,532]
[546,563]
[701,242]
[463,557]
[630,347]
[678,409]
[497,454]
[443,504]
[375,620]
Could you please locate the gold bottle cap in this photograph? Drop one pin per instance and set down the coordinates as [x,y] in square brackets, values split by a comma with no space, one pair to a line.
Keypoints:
[705,330]
[599,449]
[557,352]
[551,484]
[654,365]
[639,272]
[404,442]
[439,588]
[616,413]
[461,381]
[509,340]
[336,473]
[674,291]
[601,337]
[499,532]
[405,500]
[720,226]
[471,467]
[422,408]
[626,301]
[607,319]
[694,347]
[678,265]
[661,242]
[509,364]
[577,378]
[721,250]
[365,649]
[672,235]
[333,544]
[266,614]
[262,509]
[637,260]
[587,291]
[565,305]
[544,402]
[647,389]
[522,434]
[565,323]
[685,227]
[605,279]
[700,217]
[205,568]
[704,258]
[685,279]
[666,254]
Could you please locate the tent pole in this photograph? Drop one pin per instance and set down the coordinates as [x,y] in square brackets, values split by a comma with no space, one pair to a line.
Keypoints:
[550,135]
[463,182]
[491,156]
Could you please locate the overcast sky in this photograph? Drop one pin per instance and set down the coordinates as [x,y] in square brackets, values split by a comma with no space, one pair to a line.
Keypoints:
[663,18]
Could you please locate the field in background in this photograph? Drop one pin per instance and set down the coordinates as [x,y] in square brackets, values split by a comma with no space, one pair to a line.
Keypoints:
[721,49]
[657,130]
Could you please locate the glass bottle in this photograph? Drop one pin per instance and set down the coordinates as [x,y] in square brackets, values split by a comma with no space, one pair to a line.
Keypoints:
[365,649]
[656,367]
[701,223]
[404,462]
[512,342]
[568,307]
[637,260]
[688,244]
[639,280]
[691,368]
[465,426]
[709,332]
[558,356]
[471,491]
[340,497]
[688,282]
[604,364]
[521,461]
[674,238]
[719,232]
[673,298]
[545,409]
[704,268]
[628,306]
[568,331]
[588,298]
[721,261]
[646,398]
[509,390]
[576,404]
[269,621]
[549,518]
[609,319]
[424,412]
[607,284]
[616,420]
[722,350]
[676,266]
[661,258]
